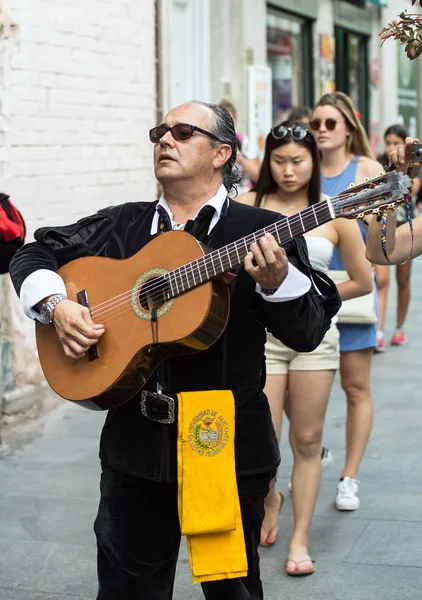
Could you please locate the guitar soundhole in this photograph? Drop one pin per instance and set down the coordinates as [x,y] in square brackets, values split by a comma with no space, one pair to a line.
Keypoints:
[153,294]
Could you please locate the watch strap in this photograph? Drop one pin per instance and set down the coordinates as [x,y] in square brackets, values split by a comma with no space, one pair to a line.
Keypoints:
[52,303]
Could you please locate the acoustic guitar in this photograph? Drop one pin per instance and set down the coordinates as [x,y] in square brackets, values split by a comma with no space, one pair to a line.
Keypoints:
[152,312]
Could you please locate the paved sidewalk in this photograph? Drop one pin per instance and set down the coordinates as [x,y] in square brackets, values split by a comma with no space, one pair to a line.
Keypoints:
[49,492]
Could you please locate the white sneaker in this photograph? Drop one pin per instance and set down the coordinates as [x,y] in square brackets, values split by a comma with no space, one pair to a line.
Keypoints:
[347,497]
[326,458]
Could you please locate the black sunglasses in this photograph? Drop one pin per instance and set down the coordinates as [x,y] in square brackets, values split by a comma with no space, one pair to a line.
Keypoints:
[298,132]
[179,132]
[330,124]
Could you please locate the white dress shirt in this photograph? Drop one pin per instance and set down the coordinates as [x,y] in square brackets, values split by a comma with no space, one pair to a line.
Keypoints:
[44,283]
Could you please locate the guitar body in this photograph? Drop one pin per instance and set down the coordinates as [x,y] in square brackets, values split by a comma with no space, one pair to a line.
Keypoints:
[133,344]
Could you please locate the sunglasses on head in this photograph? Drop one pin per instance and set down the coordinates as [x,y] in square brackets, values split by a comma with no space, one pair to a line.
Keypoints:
[330,124]
[179,132]
[298,132]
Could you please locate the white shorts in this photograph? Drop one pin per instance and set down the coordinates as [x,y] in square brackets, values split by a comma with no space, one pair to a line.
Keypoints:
[280,359]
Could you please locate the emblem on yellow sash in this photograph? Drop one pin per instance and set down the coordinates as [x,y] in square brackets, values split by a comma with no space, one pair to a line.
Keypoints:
[208,433]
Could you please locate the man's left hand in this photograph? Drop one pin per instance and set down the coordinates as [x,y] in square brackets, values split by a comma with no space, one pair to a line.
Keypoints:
[271,263]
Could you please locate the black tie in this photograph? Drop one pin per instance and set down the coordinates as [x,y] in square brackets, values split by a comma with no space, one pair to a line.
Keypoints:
[199,227]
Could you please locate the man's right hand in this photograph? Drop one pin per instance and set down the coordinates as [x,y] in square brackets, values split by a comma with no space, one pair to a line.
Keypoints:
[401,158]
[76,330]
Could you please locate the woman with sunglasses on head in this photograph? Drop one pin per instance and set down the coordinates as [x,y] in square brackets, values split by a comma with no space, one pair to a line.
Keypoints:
[289,182]
[346,159]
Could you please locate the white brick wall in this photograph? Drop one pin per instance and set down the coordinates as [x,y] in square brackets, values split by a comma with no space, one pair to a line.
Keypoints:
[77,100]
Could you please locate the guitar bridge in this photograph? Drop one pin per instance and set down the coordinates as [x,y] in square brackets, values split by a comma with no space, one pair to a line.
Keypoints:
[83,300]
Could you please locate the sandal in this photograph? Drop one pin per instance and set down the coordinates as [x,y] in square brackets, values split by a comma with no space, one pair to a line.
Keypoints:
[297,572]
[267,544]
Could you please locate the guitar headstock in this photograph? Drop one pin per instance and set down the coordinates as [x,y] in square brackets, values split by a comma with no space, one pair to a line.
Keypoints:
[386,191]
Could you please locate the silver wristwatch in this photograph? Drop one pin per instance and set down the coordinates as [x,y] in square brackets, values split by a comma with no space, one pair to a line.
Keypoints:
[47,309]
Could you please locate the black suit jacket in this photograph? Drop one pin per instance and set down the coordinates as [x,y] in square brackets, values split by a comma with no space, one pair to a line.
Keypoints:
[130,442]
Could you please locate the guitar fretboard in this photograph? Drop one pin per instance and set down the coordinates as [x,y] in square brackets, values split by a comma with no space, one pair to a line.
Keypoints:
[231,256]
[381,191]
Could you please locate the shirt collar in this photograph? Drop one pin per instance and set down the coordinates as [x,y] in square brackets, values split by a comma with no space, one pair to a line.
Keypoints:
[216,202]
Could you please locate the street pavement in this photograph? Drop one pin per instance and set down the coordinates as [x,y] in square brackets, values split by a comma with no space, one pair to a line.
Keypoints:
[49,493]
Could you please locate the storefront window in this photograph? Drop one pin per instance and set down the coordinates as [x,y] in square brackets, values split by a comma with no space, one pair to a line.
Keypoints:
[352,70]
[354,75]
[286,56]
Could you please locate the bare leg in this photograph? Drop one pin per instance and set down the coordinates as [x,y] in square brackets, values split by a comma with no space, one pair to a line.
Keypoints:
[276,390]
[403,295]
[309,392]
[383,281]
[355,371]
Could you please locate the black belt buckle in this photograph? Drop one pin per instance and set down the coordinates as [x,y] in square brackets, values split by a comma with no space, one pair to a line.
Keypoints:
[153,405]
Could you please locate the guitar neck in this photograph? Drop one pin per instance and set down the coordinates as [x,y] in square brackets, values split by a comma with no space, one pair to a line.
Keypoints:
[231,256]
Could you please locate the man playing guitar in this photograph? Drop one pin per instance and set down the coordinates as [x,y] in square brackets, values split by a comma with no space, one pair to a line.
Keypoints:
[137,526]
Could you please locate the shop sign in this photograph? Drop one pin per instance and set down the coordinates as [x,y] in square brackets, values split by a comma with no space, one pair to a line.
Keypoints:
[305,8]
[374,71]
[326,64]
[354,18]
[259,108]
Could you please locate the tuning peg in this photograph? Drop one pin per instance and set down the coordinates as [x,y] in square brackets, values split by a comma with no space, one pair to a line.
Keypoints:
[366,178]
[351,185]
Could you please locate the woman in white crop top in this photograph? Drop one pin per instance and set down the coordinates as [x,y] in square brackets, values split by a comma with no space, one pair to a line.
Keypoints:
[289,182]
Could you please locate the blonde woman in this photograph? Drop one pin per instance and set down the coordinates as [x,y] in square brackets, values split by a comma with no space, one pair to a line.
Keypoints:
[289,182]
[347,158]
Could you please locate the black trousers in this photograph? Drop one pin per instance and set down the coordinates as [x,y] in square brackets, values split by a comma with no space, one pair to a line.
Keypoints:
[138,537]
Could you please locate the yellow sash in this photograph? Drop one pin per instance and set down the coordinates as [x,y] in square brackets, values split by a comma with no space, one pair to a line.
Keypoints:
[208,500]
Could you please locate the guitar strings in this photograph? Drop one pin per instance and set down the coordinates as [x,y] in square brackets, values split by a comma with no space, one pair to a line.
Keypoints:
[231,250]
[162,285]
[119,309]
[157,290]
[114,303]
[206,259]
